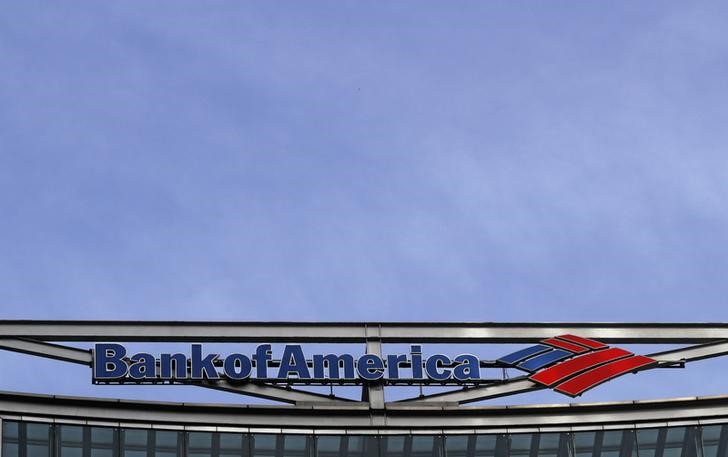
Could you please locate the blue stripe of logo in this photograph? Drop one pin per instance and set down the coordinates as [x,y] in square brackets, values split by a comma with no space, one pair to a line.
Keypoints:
[517,356]
[542,360]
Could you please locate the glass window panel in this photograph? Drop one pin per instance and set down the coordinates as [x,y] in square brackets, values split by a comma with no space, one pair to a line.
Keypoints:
[363,446]
[37,450]
[647,441]
[711,440]
[72,451]
[674,442]
[135,438]
[71,434]
[612,443]
[102,452]
[102,442]
[165,443]
[166,440]
[101,436]
[585,443]
[199,444]
[329,446]
[71,437]
[199,440]
[425,446]
[10,449]
[37,432]
[10,430]
[231,441]
[233,445]
[296,446]
[134,442]
[520,445]
[548,445]
[38,444]
[264,445]
[393,446]
[457,445]
[485,445]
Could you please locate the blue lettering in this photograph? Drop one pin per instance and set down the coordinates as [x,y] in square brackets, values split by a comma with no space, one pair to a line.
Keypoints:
[262,356]
[416,361]
[237,366]
[433,366]
[144,366]
[203,367]
[173,366]
[393,365]
[108,361]
[370,367]
[333,363]
[293,362]
[468,367]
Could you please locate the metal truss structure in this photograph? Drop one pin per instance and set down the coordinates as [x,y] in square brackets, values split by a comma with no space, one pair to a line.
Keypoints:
[40,338]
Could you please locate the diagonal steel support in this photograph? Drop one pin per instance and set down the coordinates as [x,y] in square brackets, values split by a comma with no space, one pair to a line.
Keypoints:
[47,350]
[692,353]
[469,395]
[286,395]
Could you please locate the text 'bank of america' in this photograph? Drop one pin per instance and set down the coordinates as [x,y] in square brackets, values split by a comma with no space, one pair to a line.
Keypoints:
[110,364]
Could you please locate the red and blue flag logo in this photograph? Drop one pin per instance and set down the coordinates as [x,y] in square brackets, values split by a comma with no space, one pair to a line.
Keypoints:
[572,365]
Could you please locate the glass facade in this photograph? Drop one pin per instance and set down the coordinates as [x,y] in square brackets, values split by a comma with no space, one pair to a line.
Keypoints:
[31,439]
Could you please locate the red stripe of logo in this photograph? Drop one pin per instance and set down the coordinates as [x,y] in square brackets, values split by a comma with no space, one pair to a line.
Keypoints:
[592,378]
[583,341]
[571,347]
[556,373]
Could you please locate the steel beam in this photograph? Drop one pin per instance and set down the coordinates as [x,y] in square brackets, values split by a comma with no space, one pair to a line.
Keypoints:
[282,394]
[402,418]
[469,395]
[692,353]
[389,332]
[373,393]
[47,350]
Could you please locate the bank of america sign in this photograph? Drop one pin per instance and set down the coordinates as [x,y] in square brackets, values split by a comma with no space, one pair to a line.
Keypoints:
[567,363]
[280,360]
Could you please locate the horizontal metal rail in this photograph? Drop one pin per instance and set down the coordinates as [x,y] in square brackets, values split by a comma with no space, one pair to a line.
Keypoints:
[386,332]
[357,418]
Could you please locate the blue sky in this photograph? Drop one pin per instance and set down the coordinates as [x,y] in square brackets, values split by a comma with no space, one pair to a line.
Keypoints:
[478,161]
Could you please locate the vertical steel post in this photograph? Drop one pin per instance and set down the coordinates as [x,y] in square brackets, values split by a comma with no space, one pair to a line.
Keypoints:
[373,392]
